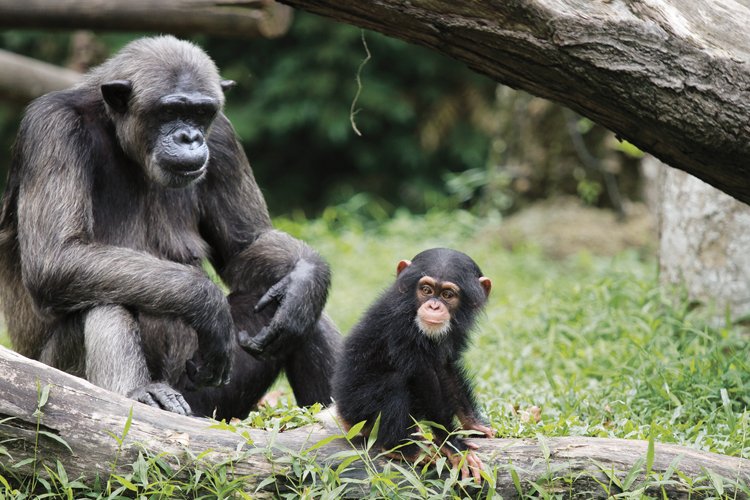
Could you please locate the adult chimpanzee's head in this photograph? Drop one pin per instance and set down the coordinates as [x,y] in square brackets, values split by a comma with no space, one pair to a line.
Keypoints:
[162,94]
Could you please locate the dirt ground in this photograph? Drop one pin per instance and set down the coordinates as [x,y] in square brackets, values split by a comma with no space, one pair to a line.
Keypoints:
[562,227]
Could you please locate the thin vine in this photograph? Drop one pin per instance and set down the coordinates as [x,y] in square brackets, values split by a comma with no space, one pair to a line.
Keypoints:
[353,111]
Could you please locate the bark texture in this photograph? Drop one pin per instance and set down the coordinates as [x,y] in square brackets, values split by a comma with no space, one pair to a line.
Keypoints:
[704,235]
[670,76]
[238,18]
[82,415]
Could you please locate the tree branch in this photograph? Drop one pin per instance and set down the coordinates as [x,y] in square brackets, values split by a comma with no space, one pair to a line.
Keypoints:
[82,415]
[237,18]
[670,76]
[24,78]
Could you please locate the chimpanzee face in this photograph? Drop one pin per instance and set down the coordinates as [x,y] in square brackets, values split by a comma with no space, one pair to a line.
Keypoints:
[179,151]
[166,135]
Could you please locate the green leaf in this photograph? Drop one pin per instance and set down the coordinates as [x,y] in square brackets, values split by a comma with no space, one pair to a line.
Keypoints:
[43,396]
[346,463]
[4,483]
[267,481]
[632,474]
[127,424]
[61,474]
[516,479]
[543,445]
[355,429]
[57,438]
[124,482]
[717,481]
[373,433]
[411,478]
[651,452]
[23,463]
[324,442]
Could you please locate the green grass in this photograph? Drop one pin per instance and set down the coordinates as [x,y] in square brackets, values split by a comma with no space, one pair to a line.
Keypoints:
[594,345]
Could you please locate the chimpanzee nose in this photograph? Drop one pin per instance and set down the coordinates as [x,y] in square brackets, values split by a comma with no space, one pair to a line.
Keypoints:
[191,138]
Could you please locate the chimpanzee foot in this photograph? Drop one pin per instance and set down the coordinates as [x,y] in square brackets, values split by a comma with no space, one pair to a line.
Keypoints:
[161,395]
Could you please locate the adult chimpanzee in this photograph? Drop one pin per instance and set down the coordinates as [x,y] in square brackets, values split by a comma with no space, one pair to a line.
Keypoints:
[402,360]
[119,189]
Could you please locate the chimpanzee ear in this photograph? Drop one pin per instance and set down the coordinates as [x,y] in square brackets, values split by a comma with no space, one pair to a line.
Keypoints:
[486,284]
[402,265]
[116,93]
[227,85]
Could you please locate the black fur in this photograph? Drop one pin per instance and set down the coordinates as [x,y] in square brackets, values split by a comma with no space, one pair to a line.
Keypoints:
[119,189]
[389,368]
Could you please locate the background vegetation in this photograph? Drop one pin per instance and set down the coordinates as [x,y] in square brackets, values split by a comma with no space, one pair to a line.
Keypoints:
[434,134]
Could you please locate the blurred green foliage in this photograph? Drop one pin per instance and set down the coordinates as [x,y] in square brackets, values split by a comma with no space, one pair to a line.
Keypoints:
[291,111]
[292,107]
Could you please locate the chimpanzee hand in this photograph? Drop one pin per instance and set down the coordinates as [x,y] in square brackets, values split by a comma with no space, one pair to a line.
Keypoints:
[298,310]
[212,362]
[161,395]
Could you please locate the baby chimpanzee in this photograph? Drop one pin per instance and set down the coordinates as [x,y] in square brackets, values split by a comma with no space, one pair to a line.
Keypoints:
[402,360]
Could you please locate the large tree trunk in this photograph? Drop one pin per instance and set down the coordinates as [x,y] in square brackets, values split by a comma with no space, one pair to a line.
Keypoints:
[83,416]
[704,235]
[240,18]
[670,76]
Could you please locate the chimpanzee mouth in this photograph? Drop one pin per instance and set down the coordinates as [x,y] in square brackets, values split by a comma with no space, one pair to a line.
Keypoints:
[190,174]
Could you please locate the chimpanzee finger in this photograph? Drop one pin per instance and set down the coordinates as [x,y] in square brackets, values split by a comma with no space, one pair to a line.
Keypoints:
[471,446]
[257,345]
[475,465]
[275,293]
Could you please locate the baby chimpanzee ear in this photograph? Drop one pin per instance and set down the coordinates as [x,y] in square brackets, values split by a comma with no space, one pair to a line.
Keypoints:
[402,265]
[486,285]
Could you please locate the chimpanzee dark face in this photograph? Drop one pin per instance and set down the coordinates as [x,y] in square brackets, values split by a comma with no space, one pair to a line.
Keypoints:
[167,136]
[179,152]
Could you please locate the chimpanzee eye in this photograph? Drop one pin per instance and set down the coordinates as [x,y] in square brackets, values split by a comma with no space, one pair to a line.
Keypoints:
[426,289]
[447,294]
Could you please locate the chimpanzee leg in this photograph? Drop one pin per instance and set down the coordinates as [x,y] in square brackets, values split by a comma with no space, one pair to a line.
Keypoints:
[64,347]
[309,367]
[112,329]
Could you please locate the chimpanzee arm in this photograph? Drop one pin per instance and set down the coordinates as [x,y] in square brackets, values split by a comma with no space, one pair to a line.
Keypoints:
[250,255]
[462,396]
[396,422]
[62,266]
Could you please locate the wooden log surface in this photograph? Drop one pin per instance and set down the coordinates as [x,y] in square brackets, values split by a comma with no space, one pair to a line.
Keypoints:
[83,415]
[234,18]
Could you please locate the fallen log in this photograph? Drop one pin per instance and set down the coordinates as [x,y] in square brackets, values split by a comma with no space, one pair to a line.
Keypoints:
[74,422]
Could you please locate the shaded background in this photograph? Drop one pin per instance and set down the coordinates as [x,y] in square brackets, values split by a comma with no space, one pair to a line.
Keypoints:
[434,134]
